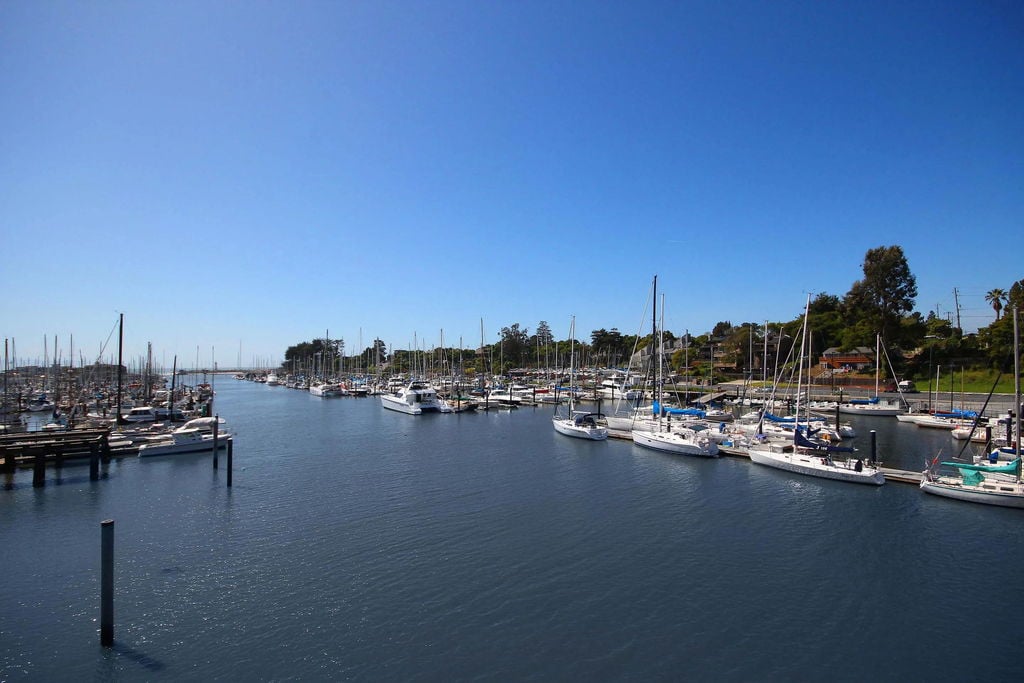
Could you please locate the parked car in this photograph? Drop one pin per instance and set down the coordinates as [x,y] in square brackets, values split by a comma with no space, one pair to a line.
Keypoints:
[907,387]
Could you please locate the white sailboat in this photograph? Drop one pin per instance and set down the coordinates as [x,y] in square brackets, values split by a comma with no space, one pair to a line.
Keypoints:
[812,458]
[874,405]
[683,441]
[991,484]
[578,424]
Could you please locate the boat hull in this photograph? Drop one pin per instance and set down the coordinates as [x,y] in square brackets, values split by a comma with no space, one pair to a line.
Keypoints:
[814,466]
[398,404]
[673,442]
[1010,495]
[871,410]
[568,427]
[182,444]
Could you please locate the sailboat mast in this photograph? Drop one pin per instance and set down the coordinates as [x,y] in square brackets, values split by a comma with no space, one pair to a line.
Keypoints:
[654,339]
[800,366]
[1016,385]
[572,365]
[120,351]
[878,359]
[661,357]
[764,360]
[6,373]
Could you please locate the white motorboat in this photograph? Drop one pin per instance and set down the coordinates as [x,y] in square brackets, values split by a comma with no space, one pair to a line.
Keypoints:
[326,389]
[504,395]
[619,387]
[141,414]
[414,398]
[183,440]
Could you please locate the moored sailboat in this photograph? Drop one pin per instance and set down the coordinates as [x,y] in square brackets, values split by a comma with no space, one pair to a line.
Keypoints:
[988,484]
[684,441]
[874,405]
[814,457]
[578,424]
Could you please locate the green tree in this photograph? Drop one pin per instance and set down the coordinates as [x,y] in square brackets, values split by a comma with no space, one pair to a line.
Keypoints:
[609,344]
[1016,295]
[721,329]
[826,321]
[884,295]
[996,297]
[514,346]
[997,339]
[543,334]
[378,350]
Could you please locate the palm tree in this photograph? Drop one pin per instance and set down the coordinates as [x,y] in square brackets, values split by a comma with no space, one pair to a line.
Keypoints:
[996,297]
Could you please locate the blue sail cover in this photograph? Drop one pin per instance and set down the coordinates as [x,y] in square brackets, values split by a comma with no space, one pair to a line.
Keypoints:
[959,414]
[973,475]
[1009,468]
[864,401]
[800,440]
[656,407]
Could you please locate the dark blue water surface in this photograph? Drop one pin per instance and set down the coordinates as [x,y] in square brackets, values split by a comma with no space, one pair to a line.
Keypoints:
[359,543]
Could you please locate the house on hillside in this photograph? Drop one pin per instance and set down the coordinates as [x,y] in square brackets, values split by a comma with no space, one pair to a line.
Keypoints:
[859,358]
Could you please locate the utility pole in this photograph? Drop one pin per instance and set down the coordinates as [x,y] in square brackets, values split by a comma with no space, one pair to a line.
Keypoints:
[956,300]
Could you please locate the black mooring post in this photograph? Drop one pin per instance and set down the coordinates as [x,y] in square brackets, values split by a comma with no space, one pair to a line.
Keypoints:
[231,449]
[874,452]
[94,461]
[216,419]
[39,471]
[107,584]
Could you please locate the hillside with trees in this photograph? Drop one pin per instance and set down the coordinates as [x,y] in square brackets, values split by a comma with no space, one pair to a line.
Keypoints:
[880,302]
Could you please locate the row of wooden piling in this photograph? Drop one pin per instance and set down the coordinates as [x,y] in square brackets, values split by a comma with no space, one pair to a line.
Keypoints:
[37,449]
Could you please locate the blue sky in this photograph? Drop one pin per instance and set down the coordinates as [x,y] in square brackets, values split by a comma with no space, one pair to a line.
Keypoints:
[238,177]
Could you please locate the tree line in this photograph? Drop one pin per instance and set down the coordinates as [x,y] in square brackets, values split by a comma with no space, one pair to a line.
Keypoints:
[879,303]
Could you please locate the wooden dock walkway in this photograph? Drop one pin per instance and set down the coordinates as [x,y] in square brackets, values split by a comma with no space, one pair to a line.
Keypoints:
[57,447]
[39,449]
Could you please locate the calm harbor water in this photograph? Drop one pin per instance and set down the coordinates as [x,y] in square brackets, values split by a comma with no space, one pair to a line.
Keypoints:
[359,543]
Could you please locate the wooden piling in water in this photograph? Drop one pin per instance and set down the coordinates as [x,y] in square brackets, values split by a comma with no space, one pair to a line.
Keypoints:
[10,459]
[94,461]
[107,583]
[39,471]
[216,419]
